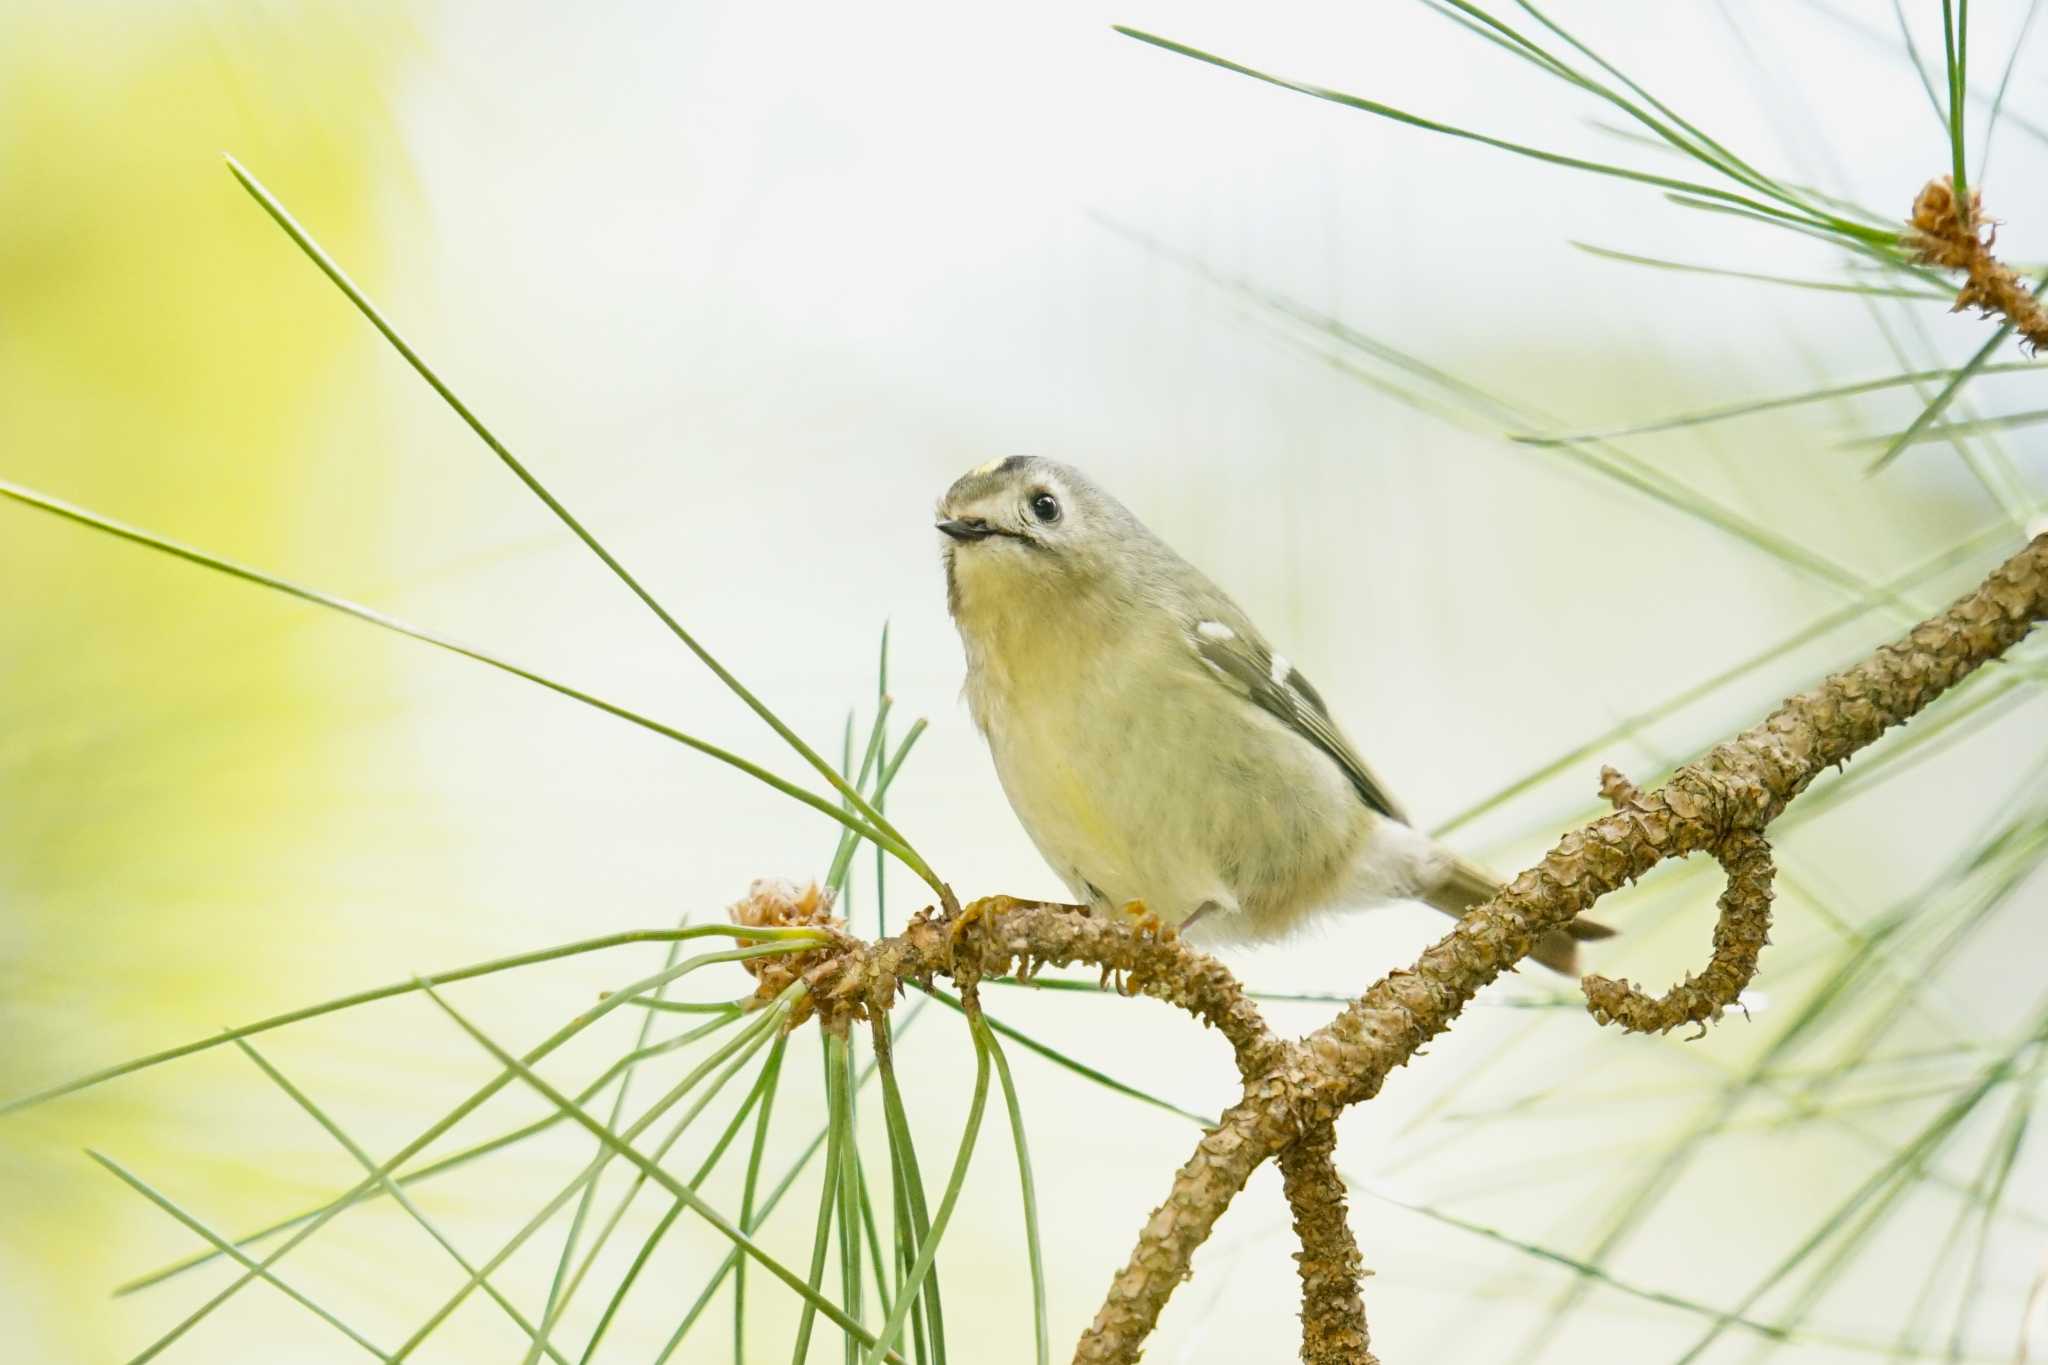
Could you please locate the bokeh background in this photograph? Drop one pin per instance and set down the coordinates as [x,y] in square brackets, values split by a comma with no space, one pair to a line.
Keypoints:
[749,285]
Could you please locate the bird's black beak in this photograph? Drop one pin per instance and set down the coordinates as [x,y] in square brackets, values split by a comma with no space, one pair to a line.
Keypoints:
[967,528]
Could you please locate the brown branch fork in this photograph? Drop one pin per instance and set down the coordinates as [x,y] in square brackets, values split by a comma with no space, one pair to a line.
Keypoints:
[1294,1091]
[1720,804]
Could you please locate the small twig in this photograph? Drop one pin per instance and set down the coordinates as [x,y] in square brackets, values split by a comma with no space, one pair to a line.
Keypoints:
[1615,789]
[1739,936]
[1957,236]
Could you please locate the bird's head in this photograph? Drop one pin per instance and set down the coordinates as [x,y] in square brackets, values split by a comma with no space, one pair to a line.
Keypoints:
[1023,528]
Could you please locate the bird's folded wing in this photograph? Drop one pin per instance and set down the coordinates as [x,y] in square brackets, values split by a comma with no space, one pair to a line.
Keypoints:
[1241,661]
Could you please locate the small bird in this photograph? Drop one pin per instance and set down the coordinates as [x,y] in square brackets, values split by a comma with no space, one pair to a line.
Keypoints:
[1160,754]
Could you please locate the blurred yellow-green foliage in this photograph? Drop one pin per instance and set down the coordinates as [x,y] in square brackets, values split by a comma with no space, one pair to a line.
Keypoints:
[161,740]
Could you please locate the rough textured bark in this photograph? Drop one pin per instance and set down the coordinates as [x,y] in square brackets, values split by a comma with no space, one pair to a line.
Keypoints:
[1332,1311]
[1001,936]
[1223,1160]
[1739,937]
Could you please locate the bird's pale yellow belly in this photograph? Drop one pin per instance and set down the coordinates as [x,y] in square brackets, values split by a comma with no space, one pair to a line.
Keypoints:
[1143,796]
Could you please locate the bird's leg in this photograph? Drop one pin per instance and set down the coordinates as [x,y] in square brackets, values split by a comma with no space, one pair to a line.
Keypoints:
[1205,908]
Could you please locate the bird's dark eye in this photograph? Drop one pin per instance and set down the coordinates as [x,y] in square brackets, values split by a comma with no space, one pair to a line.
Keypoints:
[1045,507]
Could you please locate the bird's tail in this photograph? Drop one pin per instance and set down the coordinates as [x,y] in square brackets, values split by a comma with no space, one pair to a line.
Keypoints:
[1465,886]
